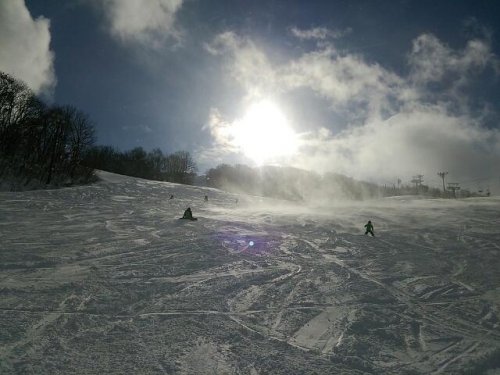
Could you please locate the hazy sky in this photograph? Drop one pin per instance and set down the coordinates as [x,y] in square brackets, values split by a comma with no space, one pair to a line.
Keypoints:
[378,90]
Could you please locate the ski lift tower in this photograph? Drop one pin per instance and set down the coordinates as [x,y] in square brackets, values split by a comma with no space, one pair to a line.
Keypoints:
[417,180]
[453,186]
[442,175]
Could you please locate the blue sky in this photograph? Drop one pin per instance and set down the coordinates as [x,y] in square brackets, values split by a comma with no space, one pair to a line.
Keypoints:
[377,90]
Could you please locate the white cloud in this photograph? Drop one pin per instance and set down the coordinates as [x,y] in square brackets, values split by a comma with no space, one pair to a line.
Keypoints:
[248,65]
[149,23]
[220,130]
[318,33]
[400,127]
[25,47]
[342,79]
[431,60]
[223,42]
[422,140]
[223,142]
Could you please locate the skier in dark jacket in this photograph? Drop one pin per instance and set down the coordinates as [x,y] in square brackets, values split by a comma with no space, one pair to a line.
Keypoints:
[188,214]
[369,228]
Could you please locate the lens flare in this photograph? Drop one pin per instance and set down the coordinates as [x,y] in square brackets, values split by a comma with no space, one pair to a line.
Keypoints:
[243,242]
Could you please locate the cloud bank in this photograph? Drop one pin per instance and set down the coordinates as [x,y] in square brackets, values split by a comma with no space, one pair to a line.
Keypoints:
[25,47]
[148,23]
[393,125]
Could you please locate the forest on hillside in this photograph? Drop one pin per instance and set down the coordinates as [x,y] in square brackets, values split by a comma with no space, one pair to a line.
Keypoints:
[45,146]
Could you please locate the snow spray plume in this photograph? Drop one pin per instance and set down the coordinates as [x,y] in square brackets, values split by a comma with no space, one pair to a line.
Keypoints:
[291,184]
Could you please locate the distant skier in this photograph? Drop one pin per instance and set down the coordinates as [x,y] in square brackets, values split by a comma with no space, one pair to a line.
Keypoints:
[369,228]
[188,214]
[206,198]
[171,196]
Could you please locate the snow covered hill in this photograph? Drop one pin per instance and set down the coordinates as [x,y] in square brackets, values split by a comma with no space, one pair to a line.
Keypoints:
[105,279]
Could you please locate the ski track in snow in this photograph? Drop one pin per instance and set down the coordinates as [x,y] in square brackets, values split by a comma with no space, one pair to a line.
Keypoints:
[106,279]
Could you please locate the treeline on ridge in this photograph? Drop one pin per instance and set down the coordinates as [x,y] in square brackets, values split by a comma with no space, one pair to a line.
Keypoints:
[40,144]
[51,146]
[154,165]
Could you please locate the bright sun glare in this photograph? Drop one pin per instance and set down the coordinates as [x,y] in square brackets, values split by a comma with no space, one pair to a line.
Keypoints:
[263,134]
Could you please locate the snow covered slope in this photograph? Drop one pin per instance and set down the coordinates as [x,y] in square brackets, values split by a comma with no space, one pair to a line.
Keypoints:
[105,279]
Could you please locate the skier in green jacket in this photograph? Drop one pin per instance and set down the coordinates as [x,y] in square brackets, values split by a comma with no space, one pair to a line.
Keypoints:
[369,228]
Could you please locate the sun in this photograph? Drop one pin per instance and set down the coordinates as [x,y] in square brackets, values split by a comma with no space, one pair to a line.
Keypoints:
[264,134]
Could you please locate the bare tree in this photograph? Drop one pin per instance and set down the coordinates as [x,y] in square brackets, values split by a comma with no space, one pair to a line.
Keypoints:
[180,167]
[17,106]
[156,160]
[81,136]
[36,141]
[57,124]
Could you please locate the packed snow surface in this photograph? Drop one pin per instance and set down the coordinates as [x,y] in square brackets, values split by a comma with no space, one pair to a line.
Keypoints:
[105,279]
